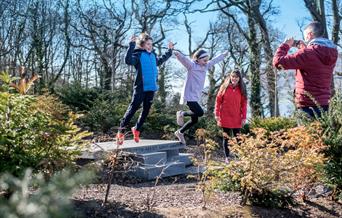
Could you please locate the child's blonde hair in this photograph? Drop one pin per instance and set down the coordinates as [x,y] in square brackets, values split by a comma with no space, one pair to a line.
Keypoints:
[142,39]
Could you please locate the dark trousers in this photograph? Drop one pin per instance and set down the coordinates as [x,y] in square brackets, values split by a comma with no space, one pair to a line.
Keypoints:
[145,98]
[311,111]
[195,112]
[231,133]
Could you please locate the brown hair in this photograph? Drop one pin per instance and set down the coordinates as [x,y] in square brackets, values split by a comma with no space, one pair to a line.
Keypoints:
[198,53]
[142,39]
[226,83]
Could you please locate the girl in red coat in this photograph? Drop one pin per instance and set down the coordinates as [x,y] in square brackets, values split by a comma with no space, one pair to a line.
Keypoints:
[231,107]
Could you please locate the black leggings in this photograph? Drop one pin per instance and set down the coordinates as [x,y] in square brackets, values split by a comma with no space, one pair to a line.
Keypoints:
[314,110]
[144,98]
[231,133]
[195,112]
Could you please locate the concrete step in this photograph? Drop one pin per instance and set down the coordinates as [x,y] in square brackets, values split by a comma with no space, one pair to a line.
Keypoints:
[155,158]
[98,150]
[194,170]
[164,170]
[183,157]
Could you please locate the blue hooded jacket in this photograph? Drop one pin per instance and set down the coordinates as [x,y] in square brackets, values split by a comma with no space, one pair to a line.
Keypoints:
[145,64]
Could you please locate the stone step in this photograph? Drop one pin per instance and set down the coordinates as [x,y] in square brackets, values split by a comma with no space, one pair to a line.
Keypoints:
[155,158]
[183,157]
[164,170]
[98,150]
[194,170]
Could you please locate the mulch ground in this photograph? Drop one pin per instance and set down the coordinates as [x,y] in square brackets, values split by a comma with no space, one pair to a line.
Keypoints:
[180,197]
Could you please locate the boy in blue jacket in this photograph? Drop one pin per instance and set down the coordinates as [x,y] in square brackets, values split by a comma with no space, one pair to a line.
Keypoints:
[145,62]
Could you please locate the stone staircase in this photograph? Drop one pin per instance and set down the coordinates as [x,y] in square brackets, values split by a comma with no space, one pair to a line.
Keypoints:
[154,157]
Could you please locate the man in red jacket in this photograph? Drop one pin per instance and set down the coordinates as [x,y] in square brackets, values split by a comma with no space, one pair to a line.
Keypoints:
[314,64]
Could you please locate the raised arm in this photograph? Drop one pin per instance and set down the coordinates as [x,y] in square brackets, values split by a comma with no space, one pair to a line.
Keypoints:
[217,59]
[282,60]
[131,58]
[186,62]
[166,56]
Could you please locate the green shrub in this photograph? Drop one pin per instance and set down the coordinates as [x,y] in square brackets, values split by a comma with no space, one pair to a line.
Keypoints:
[272,199]
[102,109]
[83,99]
[160,123]
[33,196]
[77,97]
[36,132]
[103,115]
[332,135]
[273,123]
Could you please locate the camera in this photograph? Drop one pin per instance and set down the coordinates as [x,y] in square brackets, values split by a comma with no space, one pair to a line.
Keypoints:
[296,43]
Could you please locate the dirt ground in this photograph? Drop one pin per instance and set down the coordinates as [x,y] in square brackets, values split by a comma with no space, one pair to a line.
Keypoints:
[179,197]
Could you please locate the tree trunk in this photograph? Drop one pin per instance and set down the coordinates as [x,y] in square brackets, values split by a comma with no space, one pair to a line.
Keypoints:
[254,70]
[336,22]
[270,72]
[162,93]
[211,93]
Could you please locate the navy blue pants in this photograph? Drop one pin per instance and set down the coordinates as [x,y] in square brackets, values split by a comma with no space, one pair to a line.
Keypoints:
[195,112]
[144,98]
[311,111]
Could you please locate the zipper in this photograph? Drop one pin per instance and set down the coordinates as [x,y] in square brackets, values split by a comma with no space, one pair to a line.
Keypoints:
[153,73]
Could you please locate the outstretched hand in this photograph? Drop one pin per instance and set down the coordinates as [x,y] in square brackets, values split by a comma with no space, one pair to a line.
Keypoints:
[289,41]
[133,38]
[171,45]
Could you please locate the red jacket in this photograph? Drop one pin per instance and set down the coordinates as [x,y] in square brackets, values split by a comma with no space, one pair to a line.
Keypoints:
[314,70]
[231,108]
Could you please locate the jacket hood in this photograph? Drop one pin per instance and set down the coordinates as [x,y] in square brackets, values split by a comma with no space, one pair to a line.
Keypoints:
[325,49]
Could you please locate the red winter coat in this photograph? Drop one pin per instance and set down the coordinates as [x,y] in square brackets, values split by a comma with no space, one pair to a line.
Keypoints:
[231,108]
[314,70]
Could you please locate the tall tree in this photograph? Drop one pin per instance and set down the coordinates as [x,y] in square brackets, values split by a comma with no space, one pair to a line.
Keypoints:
[231,9]
[268,53]
[104,27]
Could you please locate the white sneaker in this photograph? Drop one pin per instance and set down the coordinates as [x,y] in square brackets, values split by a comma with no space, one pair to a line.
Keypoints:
[180,118]
[180,137]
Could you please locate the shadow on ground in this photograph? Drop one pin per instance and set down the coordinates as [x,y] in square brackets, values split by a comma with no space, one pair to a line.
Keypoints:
[94,209]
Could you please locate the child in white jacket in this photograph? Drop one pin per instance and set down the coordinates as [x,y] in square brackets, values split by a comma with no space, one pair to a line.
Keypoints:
[193,86]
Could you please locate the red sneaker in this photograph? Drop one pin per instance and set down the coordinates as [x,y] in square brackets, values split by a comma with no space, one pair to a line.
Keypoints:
[136,134]
[120,137]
